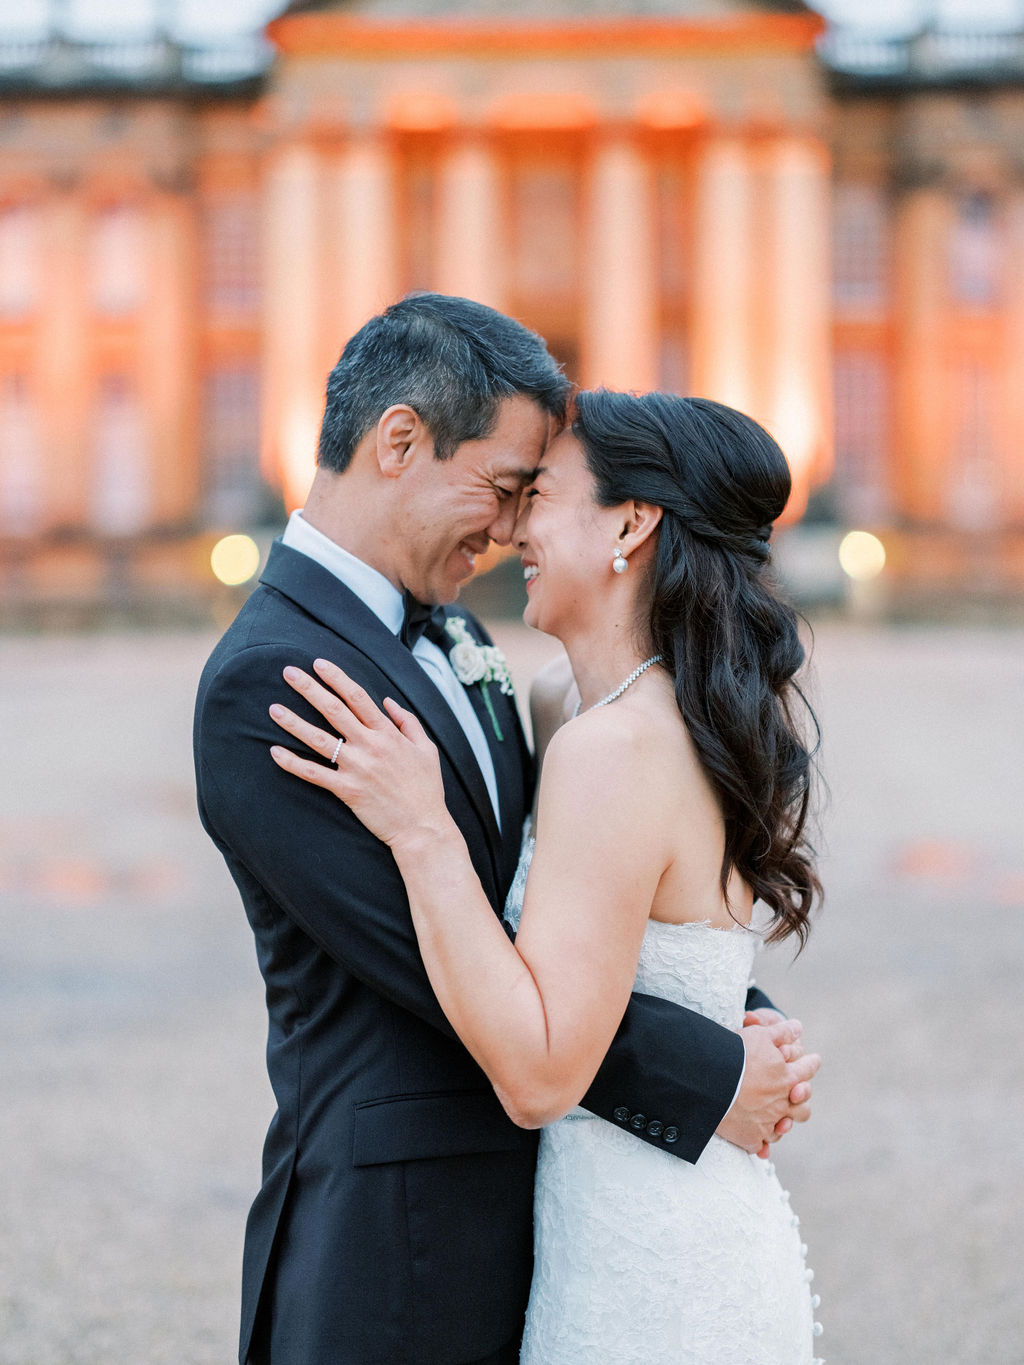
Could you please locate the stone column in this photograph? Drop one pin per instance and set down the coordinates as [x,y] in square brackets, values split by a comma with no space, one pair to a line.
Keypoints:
[796,359]
[168,356]
[293,364]
[470,234]
[361,253]
[1011,437]
[62,364]
[620,327]
[724,276]
[925,408]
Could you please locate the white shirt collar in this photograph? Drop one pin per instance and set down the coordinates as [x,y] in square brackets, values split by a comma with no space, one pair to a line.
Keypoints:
[369,585]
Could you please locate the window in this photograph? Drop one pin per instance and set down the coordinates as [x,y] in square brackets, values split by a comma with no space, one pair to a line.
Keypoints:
[21,476]
[122,492]
[862,426]
[235,492]
[860,235]
[974,252]
[231,255]
[19,260]
[117,266]
[974,493]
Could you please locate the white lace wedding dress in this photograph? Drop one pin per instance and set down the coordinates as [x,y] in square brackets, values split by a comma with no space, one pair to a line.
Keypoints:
[640,1256]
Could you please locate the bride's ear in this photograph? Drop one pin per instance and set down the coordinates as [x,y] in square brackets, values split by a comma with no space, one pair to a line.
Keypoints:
[642,520]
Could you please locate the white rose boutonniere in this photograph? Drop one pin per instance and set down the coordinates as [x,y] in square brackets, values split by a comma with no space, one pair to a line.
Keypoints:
[480,664]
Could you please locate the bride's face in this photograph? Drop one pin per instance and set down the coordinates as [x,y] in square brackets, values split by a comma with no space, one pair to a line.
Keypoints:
[564,538]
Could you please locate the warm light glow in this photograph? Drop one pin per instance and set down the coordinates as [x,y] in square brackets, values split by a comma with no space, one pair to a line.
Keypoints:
[235,559]
[421,111]
[671,109]
[861,555]
[300,433]
[544,109]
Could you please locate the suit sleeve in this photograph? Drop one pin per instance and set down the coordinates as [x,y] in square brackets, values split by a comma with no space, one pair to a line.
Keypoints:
[670,1075]
[301,845]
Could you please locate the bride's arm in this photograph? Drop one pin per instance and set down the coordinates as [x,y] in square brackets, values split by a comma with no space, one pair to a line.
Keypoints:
[537,1015]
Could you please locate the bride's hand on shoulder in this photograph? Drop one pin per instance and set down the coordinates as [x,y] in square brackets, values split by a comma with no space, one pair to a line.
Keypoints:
[385,768]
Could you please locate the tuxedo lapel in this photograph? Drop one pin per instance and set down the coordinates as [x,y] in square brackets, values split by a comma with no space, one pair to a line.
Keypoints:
[502,749]
[508,755]
[325,597]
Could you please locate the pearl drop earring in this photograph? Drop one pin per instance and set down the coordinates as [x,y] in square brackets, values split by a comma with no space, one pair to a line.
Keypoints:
[620,563]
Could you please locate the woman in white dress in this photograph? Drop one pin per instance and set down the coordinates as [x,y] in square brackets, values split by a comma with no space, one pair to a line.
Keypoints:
[673,795]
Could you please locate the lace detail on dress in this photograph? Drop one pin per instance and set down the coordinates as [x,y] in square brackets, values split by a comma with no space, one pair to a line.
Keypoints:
[639,1255]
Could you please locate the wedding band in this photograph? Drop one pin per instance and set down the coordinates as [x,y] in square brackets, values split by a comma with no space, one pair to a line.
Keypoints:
[337,751]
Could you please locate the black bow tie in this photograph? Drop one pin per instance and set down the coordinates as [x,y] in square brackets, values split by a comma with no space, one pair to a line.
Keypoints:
[420,619]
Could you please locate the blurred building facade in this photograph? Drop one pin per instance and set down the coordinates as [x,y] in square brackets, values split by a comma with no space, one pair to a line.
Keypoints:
[707,197]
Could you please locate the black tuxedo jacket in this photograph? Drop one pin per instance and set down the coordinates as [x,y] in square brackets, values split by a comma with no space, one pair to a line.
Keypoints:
[394,1218]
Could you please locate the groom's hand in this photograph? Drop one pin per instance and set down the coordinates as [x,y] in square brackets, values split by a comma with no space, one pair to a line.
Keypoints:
[776,1088]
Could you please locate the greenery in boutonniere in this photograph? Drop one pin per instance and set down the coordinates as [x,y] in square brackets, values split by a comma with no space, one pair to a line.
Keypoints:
[480,664]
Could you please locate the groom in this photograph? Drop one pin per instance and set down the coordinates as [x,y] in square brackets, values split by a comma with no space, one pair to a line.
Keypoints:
[394,1219]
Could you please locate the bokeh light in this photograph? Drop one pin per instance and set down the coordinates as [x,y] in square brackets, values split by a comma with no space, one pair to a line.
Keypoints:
[234,559]
[861,556]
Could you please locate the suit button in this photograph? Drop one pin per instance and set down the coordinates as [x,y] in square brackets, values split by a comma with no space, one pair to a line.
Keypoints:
[638,1121]
[655,1128]
[671,1134]
[621,1115]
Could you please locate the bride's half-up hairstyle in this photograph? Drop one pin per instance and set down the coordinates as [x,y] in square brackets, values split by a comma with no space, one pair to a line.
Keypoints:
[731,644]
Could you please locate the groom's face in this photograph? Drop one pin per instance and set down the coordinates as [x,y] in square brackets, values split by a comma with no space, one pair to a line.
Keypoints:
[457,507]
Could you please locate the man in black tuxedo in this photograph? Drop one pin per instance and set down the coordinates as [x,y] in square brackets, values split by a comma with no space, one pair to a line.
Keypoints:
[394,1218]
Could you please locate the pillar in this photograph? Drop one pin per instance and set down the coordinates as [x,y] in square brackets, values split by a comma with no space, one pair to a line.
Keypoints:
[795,352]
[925,408]
[63,396]
[469,224]
[168,354]
[724,274]
[1011,439]
[620,328]
[293,370]
[361,253]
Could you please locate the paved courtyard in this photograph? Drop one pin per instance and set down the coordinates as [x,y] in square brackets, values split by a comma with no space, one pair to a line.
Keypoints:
[131,1019]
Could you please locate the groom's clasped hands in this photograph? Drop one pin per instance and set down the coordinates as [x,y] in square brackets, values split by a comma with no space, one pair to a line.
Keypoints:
[775,1091]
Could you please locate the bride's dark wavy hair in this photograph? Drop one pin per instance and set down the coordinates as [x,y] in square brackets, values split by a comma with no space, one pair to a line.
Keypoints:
[731,644]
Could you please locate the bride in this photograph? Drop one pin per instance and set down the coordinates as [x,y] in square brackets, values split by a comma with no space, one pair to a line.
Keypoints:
[673,796]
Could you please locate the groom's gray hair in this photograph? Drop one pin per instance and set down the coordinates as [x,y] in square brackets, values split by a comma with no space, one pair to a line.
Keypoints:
[451,360]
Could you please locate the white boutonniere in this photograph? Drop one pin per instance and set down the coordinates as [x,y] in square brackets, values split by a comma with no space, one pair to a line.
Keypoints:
[476,663]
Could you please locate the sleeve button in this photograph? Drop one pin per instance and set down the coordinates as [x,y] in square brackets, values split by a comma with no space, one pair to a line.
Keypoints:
[638,1121]
[621,1115]
[655,1128]
[671,1134]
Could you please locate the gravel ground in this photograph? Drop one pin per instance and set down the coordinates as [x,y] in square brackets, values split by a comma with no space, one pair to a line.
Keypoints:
[132,1027]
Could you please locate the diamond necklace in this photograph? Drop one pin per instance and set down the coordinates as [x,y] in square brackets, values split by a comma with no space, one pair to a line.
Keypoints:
[612,696]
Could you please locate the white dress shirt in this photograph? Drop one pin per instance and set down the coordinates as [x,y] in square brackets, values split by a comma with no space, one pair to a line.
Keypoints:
[385,601]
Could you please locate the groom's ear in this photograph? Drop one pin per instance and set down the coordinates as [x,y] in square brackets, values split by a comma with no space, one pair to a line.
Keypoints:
[399,430]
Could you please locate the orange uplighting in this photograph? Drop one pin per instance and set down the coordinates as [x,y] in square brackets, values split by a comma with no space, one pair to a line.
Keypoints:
[317,34]
[671,109]
[543,109]
[421,111]
[300,430]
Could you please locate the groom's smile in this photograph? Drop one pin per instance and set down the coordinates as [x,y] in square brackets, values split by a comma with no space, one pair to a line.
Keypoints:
[458,507]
